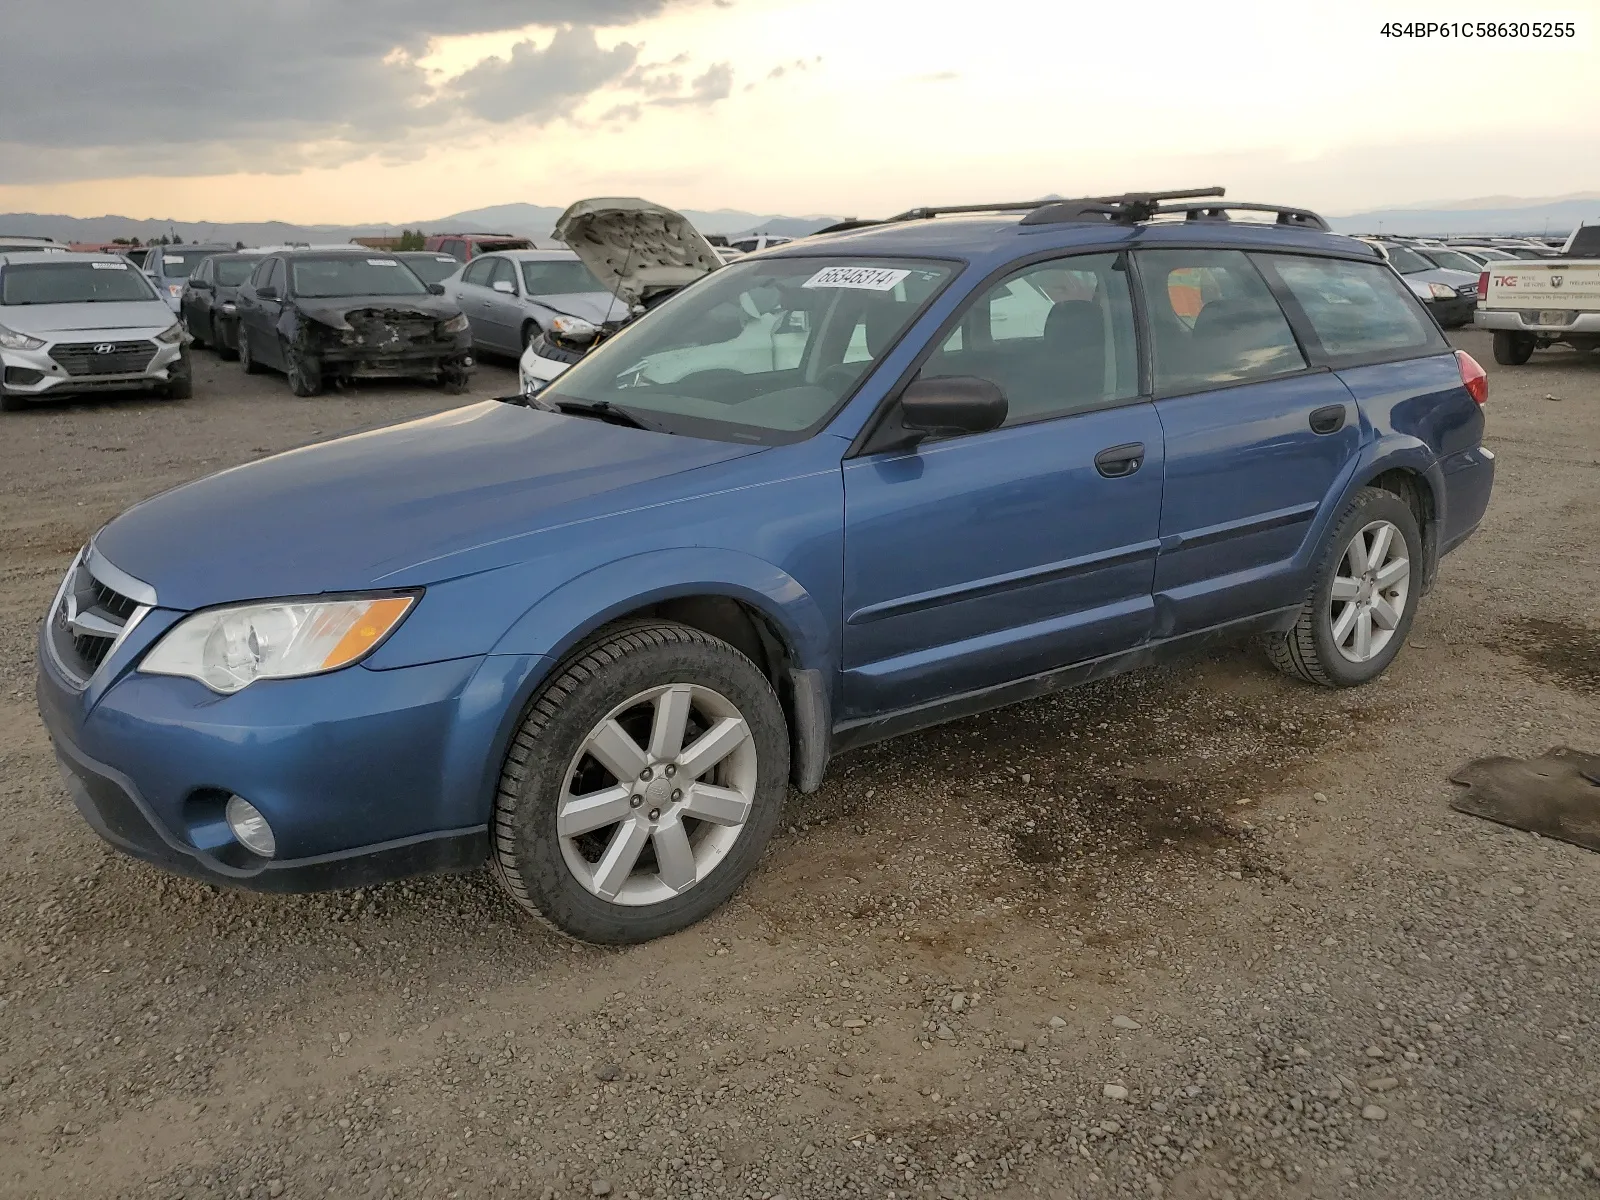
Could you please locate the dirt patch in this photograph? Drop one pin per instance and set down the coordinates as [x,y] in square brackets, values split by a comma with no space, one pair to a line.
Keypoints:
[1569,653]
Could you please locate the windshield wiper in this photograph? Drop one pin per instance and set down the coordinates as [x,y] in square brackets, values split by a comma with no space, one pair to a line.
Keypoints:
[603,410]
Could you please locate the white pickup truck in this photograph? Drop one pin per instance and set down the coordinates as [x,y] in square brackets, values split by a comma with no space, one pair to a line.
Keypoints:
[1532,303]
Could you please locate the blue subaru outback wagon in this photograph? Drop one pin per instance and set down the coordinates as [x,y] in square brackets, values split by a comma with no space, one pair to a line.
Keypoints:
[849,487]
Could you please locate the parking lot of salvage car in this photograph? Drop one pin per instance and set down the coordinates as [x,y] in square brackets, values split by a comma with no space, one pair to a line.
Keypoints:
[1328,982]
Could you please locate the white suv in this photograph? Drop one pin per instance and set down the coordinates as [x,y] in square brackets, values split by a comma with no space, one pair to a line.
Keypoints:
[75,323]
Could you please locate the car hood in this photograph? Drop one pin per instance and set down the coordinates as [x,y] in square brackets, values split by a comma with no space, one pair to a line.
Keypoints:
[54,319]
[600,308]
[391,507]
[635,247]
[334,311]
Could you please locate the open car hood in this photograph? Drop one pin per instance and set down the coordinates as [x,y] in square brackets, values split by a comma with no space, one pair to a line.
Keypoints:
[634,247]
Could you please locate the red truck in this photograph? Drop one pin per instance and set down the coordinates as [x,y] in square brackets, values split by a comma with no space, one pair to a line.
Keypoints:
[467,246]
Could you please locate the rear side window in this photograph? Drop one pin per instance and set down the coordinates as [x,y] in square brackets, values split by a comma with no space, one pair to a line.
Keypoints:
[1213,320]
[1356,309]
[478,273]
[1056,338]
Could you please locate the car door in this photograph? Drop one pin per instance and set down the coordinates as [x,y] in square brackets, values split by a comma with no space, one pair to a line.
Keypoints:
[977,560]
[472,294]
[1256,438]
[194,306]
[503,309]
[260,315]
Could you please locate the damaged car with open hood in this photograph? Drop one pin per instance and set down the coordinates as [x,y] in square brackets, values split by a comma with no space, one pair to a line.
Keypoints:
[321,315]
[640,252]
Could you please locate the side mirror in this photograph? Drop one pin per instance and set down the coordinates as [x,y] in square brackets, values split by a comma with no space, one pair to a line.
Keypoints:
[506,286]
[951,404]
[266,293]
[200,285]
[436,288]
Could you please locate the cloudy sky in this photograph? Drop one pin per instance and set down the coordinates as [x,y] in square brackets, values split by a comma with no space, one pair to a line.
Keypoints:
[389,110]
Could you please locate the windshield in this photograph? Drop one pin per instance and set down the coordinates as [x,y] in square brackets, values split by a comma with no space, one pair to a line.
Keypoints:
[1453,260]
[178,266]
[322,278]
[1407,261]
[72,283]
[760,351]
[231,272]
[433,268]
[558,277]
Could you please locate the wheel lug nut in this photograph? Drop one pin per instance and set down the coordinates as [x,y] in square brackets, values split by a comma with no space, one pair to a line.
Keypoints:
[655,814]
[635,801]
[646,774]
[676,795]
[671,770]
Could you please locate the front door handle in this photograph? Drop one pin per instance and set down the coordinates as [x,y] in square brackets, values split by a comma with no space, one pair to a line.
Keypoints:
[1119,461]
[1328,420]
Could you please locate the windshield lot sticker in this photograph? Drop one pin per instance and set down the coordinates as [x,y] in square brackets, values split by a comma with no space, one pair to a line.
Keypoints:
[174,258]
[109,266]
[382,262]
[870,279]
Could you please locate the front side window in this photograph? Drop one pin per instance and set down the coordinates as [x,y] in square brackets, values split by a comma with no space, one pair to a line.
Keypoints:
[1355,308]
[760,350]
[262,273]
[478,272]
[277,277]
[349,275]
[1213,320]
[231,272]
[1056,338]
[503,276]
[72,283]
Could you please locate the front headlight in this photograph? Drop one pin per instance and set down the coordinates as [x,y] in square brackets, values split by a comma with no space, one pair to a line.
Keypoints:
[456,324]
[12,340]
[229,648]
[574,329]
[1441,291]
[172,333]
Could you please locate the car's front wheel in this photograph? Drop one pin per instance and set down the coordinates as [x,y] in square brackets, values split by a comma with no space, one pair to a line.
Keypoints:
[304,372]
[643,785]
[1363,599]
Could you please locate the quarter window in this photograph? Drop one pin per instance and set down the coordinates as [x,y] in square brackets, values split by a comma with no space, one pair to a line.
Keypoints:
[1056,338]
[1356,309]
[1213,320]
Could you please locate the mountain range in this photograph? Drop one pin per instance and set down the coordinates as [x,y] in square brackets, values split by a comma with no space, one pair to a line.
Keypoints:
[1491,214]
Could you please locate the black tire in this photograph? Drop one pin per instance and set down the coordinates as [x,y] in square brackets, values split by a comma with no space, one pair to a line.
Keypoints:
[247,360]
[180,381]
[530,331]
[1308,650]
[1512,349]
[10,402]
[613,666]
[305,374]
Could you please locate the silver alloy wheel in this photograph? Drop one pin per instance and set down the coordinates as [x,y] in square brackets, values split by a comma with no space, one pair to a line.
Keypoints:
[657,794]
[1369,591]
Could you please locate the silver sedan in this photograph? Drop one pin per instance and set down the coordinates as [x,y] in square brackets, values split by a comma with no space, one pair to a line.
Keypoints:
[511,297]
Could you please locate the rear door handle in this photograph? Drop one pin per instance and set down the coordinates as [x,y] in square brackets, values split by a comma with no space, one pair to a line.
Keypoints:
[1118,461]
[1328,420]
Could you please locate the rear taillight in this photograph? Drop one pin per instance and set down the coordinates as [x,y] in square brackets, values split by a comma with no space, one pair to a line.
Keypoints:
[1473,377]
[1483,286]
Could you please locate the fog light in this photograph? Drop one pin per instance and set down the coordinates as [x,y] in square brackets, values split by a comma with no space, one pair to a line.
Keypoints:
[250,827]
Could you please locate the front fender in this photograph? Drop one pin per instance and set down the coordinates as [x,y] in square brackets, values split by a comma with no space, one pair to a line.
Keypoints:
[565,616]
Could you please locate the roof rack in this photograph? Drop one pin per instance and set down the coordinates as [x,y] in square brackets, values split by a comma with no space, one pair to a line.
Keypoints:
[1130,208]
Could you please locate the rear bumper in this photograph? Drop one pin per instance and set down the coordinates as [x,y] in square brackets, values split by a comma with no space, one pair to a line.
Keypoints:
[1526,320]
[1468,481]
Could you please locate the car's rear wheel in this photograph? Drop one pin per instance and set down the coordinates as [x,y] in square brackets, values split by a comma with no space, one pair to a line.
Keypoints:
[644,784]
[1363,599]
[1512,349]
[247,360]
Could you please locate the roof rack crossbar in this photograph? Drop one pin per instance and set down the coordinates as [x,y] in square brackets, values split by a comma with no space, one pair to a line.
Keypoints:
[1300,217]
[1128,208]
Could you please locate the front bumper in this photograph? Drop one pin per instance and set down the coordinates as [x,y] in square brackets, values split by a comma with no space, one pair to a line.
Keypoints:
[363,774]
[36,373]
[1453,312]
[1526,320]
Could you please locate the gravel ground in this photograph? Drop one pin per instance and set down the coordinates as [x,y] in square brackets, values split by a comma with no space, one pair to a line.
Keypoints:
[1198,932]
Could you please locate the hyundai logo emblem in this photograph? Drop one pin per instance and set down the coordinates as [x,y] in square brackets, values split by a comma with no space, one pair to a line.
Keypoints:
[105,348]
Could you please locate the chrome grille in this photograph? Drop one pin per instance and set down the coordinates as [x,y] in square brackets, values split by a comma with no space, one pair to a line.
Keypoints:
[91,614]
[104,358]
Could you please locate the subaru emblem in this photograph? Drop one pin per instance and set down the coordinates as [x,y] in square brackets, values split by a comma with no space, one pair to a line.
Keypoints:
[105,348]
